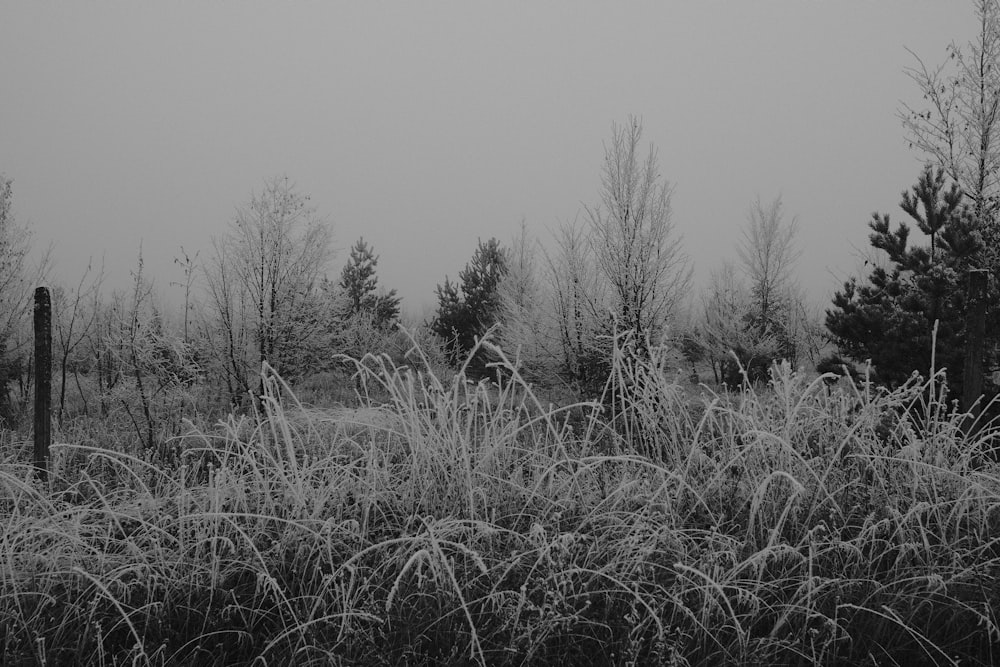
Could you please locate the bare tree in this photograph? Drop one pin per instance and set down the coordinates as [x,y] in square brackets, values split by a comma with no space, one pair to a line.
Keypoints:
[97,346]
[555,310]
[580,298]
[634,240]
[522,306]
[767,253]
[226,326]
[75,314]
[18,279]
[624,268]
[958,125]
[189,265]
[139,360]
[265,272]
[520,286]
[123,337]
[754,312]
[136,344]
[726,305]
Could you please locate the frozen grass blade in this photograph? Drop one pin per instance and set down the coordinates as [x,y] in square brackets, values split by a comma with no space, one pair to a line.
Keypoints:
[780,523]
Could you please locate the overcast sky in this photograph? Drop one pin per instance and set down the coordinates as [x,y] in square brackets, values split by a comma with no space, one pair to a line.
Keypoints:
[425,126]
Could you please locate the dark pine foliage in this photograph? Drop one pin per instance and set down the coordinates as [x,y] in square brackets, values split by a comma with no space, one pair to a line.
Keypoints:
[467,310]
[360,284]
[890,317]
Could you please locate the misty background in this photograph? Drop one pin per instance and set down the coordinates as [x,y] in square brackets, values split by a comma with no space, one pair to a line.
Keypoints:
[424,127]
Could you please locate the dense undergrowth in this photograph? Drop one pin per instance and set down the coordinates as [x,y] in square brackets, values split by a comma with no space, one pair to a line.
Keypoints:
[467,524]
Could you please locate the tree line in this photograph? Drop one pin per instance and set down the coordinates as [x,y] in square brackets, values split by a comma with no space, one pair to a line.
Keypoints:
[617,274]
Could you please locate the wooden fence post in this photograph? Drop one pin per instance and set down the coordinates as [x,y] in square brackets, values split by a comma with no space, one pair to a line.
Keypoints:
[43,380]
[975,333]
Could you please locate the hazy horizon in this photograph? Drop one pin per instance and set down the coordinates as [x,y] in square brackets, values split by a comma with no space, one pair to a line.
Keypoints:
[426,127]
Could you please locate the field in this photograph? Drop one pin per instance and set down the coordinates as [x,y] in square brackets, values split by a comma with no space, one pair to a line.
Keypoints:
[469,524]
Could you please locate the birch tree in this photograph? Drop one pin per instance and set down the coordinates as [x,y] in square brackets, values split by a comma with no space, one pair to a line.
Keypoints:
[581,310]
[522,308]
[767,253]
[634,240]
[726,305]
[263,283]
[555,310]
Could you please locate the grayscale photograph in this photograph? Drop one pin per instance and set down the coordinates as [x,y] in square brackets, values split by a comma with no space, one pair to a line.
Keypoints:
[553,333]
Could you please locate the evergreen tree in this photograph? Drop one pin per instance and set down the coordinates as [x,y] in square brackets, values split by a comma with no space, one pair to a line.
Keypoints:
[465,312]
[453,322]
[360,285]
[890,318]
[480,280]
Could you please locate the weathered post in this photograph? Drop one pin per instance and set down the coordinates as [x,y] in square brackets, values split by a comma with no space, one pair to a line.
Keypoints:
[43,380]
[975,333]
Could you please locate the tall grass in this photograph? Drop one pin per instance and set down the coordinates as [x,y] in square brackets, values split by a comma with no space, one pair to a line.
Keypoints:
[447,522]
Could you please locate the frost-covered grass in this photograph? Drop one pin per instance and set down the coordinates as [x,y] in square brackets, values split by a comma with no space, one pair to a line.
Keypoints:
[466,524]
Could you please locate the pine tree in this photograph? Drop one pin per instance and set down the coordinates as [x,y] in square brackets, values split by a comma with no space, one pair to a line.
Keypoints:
[452,321]
[480,280]
[890,319]
[466,312]
[360,285]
